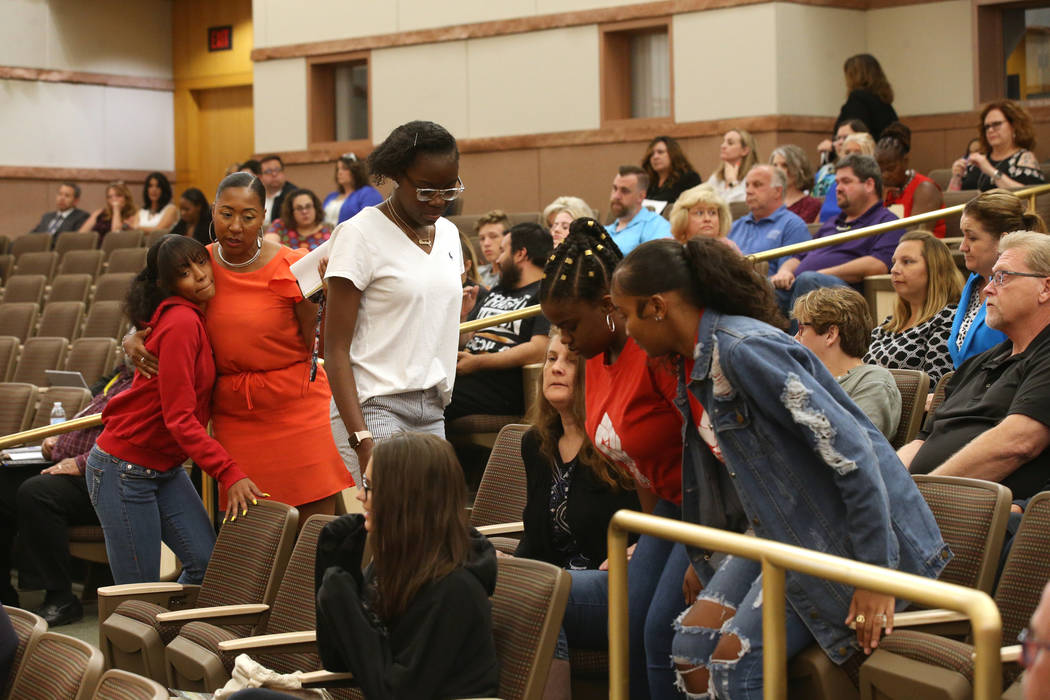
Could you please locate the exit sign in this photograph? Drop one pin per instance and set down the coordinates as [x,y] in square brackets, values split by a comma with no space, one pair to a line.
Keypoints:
[220,38]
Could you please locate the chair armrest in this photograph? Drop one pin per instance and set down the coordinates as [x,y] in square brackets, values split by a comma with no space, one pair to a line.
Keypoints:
[269,640]
[935,616]
[1010,654]
[218,612]
[501,528]
[321,679]
[130,590]
[163,593]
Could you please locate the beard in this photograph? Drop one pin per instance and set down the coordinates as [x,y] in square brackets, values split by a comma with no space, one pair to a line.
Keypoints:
[509,276]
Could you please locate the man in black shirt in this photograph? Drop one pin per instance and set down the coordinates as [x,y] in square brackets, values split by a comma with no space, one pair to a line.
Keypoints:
[994,423]
[488,372]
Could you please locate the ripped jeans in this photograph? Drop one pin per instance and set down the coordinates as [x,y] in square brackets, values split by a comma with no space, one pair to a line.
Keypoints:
[737,586]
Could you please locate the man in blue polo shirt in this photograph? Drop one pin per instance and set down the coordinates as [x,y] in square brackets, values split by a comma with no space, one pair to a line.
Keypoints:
[770,224]
[634,223]
[859,196]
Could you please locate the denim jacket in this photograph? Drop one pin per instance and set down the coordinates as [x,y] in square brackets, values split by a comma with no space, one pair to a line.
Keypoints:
[808,467]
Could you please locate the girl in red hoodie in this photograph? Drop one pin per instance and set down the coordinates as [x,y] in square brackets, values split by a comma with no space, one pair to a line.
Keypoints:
[134,474]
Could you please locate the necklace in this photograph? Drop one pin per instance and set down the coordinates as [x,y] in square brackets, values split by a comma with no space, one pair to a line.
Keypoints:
[406,228]
[227,263]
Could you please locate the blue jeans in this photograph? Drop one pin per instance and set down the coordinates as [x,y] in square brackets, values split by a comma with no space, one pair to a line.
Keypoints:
[804,284]
[737,586]
[137,507]
[654,590]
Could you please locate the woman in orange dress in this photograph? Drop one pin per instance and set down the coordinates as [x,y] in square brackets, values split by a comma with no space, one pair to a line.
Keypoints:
[265,410]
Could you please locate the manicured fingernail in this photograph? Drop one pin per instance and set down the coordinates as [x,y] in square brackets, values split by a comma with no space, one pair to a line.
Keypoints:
[233,518]
[224,521]
[255,502]
[245,511]
[266,495]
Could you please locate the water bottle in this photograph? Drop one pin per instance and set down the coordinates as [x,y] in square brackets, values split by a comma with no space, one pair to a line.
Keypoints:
[58,414]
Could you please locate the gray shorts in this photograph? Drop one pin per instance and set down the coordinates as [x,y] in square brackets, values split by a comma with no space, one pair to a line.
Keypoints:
[385,416]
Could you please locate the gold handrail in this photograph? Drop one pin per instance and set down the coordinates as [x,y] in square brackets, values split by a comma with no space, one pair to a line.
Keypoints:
[777,558]
[1030,192]
[45,431]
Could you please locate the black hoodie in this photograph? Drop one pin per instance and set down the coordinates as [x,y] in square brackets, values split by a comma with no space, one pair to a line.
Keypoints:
[440,647]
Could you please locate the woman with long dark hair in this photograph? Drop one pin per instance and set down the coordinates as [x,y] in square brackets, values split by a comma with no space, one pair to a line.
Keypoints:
[772,444]
[869,94]
[194,216]
[158,212]
[135,477]
[670,172]
[352,194]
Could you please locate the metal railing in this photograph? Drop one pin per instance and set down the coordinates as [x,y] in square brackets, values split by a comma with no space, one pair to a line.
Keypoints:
[776,558]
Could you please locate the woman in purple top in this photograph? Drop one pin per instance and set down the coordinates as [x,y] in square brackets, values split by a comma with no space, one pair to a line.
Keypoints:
[353,192]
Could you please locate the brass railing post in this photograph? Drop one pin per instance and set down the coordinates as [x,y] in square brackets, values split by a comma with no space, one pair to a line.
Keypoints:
[774,632]
[618,615]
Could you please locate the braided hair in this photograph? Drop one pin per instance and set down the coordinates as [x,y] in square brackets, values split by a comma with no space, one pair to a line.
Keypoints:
[581,268]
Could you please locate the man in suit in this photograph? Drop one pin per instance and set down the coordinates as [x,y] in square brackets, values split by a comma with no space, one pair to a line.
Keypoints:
[66,216]
[276,186]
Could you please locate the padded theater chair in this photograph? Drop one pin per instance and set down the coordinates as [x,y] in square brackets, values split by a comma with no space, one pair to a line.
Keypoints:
[246,566]
[57,667]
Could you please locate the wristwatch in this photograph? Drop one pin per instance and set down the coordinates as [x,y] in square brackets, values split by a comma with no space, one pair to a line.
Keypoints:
[357,438]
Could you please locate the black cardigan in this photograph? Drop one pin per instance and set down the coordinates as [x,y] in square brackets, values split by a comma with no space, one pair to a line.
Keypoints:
[591,505]
[867,107]
[670,192]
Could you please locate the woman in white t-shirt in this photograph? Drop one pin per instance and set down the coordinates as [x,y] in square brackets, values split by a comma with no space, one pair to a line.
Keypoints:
[158,212]
[394,297]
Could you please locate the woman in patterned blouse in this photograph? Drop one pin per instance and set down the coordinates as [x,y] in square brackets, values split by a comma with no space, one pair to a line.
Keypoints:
[1005,159]
[301,224]
[928,284]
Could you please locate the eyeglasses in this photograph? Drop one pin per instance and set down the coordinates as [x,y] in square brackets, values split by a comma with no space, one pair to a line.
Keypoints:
[426,194]
[999,276]
[272,171]
[1030,647]
[366,485]
[304,207]
[993,125]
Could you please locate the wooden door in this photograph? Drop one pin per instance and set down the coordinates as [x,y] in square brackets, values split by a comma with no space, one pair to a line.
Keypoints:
[225,133]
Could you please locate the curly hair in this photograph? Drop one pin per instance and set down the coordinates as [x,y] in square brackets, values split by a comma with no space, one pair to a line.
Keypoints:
[701,194]
[288,208]
[706,272]
[581,268]
[1020,120]
[396,154]
[863,72]
[842,307]
[357,169]
[680,165]
[799,171]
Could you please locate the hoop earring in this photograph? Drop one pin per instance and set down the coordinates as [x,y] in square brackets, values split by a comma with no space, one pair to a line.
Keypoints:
[610,323]
[211,232]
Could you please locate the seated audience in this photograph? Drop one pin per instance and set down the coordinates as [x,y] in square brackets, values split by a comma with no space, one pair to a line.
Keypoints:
[488,370]
[854,144]
[859,193]
[470,262]
[634,223]
[738,153]
[66,216]
[769,224]
[120,212]
[572,490]
[490,230]
[835,324]
[562,212]
[1005,159]
[418,622]
[974,146]
[41,507]
[829,153]
[352,194]
[670,172]
[277,187]
[301,225]
[870,94]
[908,193]
[194,216]
[699,211]
[984,221]
[158,212]
[928,284]
[993,424]
[251,166]
[792,161]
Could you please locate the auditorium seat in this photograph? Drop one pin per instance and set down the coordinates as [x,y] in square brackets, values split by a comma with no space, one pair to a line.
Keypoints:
[5,244]
[9,347]
[914,385]
[127,260]
[502,492]
[38,355]
[61,319]
[73,240]
[71,287]
[92,357]
[25,288]
[938,398]
[82,262]
[115,240]
[738,209]
[941,176]
[152,237]
[58,667]
[121,685]
[37,263]
[17,404]
[72,398]
[18,319]
[7,266]
[30,243]
[113,286]
[105,319]
[28,628]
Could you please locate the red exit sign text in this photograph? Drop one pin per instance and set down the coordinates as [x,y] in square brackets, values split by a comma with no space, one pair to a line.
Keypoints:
[220,38]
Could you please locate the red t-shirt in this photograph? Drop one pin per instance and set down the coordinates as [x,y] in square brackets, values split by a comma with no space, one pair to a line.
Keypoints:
[632,419]
[906,199]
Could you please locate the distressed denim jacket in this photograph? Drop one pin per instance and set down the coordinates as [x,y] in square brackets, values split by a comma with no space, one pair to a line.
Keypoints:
[808,467]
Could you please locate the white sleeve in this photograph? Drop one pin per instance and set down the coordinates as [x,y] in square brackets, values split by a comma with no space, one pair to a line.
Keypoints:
[351,257]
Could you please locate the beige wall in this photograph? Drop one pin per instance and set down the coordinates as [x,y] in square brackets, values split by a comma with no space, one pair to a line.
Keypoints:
[279,99]
[437,74]
[927,54]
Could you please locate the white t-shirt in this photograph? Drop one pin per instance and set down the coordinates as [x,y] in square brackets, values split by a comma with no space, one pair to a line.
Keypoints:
[407,331]
[151,220]
[269,216]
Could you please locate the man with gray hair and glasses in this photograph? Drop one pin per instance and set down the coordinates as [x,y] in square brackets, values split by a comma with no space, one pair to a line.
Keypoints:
[994,423]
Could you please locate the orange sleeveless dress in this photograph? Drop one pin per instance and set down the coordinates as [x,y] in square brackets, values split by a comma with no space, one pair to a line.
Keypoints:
[273,421]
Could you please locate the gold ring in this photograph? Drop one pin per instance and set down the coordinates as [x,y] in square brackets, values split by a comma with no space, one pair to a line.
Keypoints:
[860,619]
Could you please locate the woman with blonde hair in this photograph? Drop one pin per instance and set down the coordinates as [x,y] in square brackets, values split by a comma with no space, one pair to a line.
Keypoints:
[699,211]
[739,153]
[870,94]
[118,214]
[792,161]
[928,285]
[562,212]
